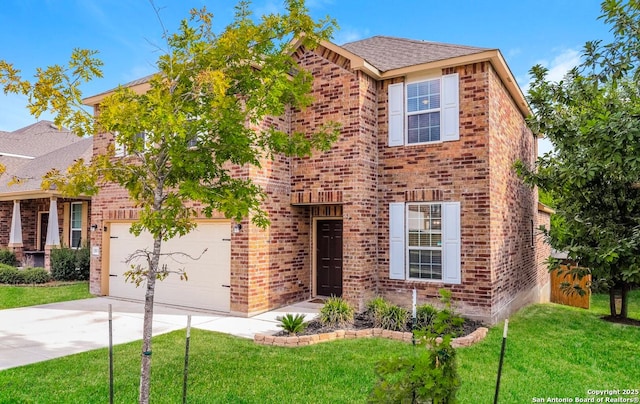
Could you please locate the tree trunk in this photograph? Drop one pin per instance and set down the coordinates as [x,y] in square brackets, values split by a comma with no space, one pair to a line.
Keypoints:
[147,328]
[623,300]
[147,334]
[612,302]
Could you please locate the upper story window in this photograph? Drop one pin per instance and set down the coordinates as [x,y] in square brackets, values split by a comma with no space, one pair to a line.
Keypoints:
[424,111]
[121,149]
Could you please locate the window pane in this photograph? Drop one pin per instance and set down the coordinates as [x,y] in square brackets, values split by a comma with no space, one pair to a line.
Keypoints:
[425,264]
[76,236]
[423,96]
[76,215]
[424,127]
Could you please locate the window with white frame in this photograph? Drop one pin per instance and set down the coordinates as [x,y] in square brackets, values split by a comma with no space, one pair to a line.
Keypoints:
[424,241]
[121,150]
[75,233]
[424,111]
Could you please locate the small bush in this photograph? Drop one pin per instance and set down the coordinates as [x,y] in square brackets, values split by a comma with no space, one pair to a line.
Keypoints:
[68,264]
[9,274]
[395,318]
[336,312]
[425,316]
[35,275]
[428,376]
[376,309]
[292,324]
[8,257]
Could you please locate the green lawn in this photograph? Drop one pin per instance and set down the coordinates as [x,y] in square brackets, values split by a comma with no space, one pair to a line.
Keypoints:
[23,296]
[552,351]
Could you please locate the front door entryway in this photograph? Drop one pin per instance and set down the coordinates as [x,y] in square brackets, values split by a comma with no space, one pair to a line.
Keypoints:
[329,257]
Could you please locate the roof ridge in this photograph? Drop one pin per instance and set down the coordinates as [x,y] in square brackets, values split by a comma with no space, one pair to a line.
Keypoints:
[418,41]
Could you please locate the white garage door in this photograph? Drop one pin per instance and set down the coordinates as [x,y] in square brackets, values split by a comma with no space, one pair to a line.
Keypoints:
[208,281]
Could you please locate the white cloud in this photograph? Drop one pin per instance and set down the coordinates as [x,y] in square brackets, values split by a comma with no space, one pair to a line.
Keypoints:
[347,34]
[562,62]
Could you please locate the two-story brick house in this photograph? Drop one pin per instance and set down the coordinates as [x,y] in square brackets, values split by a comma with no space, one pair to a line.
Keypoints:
[418,192]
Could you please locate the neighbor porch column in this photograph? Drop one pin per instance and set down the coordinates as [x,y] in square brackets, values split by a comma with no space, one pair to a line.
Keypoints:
[15,235]
[53,233]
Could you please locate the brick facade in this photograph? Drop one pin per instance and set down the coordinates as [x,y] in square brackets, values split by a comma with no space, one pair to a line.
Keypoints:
[357,179]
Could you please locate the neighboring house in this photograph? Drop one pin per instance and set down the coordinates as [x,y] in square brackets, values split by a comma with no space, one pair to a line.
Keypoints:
[419,192]
[34,220]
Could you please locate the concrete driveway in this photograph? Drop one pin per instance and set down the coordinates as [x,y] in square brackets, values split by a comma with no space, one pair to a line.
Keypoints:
[39,333]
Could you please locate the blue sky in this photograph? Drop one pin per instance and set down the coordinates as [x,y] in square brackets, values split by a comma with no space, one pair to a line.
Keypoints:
[128,35]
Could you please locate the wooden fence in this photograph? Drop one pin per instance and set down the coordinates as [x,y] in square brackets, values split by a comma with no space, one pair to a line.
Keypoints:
[571,299]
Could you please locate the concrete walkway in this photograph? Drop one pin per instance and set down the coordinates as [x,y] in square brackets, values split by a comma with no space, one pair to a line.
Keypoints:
[39,333]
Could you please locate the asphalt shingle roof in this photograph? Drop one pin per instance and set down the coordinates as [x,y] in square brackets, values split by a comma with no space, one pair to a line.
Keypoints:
[36,140]
[387,53]
[46,146]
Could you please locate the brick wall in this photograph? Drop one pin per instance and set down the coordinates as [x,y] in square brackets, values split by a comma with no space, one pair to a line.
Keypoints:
[513,205]
[358,178]
[346,174]
[447,171]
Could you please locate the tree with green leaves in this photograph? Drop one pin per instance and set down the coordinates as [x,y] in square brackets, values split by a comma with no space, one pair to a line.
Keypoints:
[203,114]
[592,118]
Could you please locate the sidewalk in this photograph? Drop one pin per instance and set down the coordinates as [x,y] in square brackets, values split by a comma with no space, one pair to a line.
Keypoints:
[39,333]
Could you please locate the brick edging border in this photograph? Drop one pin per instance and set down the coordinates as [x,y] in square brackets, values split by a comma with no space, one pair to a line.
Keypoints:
[302,340]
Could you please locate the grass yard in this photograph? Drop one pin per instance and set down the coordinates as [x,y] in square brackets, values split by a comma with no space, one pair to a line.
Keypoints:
[23,296]
[552,351]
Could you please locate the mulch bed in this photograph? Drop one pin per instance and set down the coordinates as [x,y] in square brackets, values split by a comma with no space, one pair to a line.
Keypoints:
[362,322]
[622,320]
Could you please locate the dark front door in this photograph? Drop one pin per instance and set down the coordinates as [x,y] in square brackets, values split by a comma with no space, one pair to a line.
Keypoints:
[329,257]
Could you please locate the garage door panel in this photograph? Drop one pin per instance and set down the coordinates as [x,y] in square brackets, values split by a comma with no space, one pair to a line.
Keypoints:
[208,276]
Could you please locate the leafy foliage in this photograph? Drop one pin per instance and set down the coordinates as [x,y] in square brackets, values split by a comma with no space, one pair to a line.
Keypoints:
[35,275]
[336,312]
[394,318]
[14,276]
[428,376]
[593,175]
[375,310]
[8,257]
[425,316]
[292,324]
[203,115]
[69,264]
[9,274]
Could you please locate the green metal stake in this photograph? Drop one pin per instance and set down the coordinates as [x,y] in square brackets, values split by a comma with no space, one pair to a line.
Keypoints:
[186,361]
[504,343]
[110,356]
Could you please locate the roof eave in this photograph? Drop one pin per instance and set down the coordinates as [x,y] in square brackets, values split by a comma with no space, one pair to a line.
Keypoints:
[35,194]
[493,56]
[94,100]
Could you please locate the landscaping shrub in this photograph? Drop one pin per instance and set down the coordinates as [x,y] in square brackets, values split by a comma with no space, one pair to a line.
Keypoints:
[429,376]
[9,274]
[8,257]
[14,276]
[376,309]
[35,275]
[425,315]
[68,264]
[394,318]
[292,324]
[336,312]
